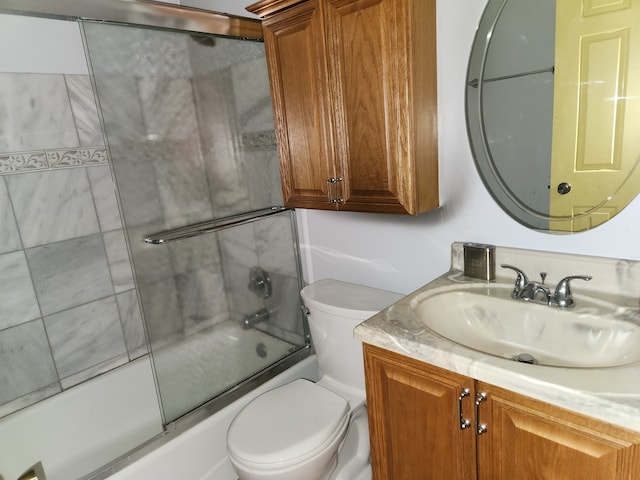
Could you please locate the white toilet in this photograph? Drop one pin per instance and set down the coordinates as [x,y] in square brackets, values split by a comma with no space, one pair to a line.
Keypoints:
[315,431]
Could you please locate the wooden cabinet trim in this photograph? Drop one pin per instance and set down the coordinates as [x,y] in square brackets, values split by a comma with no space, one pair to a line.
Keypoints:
[266,8]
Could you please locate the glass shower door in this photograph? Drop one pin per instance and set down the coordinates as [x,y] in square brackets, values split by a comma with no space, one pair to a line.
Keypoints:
[189,128]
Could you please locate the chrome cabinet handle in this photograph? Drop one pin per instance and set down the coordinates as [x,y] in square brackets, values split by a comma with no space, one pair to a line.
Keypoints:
[330,181]
[481,428]
[338,198]
[464,422]
[332,185]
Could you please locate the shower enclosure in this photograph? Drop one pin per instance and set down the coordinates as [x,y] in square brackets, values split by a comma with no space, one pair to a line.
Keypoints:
[188,125]
[195,267]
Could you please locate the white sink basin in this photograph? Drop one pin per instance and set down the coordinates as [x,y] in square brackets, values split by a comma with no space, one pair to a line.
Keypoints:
[593,334]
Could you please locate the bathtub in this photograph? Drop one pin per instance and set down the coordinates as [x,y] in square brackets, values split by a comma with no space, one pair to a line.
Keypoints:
[200,453]
[201,366]
[117,413]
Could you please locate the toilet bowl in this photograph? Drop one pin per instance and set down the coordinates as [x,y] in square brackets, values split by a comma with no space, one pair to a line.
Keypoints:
[315,431]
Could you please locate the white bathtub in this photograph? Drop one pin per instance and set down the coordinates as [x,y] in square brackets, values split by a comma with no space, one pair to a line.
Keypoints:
[200,367]
[91,424]
[82,428]
[200,453]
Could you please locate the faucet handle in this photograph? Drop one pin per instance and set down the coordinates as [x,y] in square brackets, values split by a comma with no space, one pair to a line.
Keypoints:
[562,296]
[521,279]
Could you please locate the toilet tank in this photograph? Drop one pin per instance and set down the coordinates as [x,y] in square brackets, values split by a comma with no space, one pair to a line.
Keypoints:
[335,308]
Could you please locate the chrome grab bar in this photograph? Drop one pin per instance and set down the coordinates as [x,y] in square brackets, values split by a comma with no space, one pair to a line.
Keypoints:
[210,226]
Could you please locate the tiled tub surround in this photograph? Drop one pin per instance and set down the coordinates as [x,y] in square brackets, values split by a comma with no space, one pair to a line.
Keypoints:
[609,394]
[41,111]
[191,141]
[68,306]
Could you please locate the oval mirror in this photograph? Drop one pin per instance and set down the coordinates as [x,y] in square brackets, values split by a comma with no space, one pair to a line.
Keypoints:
[553,108]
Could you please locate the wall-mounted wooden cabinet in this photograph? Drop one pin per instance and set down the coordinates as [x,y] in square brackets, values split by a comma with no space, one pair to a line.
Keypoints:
[354,92]
[424,423]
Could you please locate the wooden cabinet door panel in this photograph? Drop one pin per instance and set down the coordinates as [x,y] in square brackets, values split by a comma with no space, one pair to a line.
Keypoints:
[364,74]
[414,422]
[295,45]
[532,440]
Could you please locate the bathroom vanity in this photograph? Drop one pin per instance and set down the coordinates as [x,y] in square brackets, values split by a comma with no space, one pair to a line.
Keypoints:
[439,409]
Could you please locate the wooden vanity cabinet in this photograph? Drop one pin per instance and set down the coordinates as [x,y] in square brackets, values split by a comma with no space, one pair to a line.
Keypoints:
[414,422]
[412,431]
[353,84]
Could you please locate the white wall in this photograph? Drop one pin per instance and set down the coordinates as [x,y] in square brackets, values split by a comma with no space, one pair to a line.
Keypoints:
[50,46]
[400,253]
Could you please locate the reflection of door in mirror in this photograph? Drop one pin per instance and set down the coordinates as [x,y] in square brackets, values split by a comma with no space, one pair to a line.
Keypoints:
[596,110]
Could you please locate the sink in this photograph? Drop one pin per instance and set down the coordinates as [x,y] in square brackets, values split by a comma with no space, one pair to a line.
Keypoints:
[484,317]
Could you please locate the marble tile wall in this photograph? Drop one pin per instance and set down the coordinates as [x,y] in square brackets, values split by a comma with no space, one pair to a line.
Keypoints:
[190,133]
[188,144]
[250,182]
[149,107]
[68,305]
[268,243]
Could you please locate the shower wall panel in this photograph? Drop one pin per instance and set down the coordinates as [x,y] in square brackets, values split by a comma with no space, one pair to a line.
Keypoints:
[68,305]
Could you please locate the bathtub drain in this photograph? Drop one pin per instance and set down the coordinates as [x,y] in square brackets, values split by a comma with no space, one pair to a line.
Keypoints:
[261,350]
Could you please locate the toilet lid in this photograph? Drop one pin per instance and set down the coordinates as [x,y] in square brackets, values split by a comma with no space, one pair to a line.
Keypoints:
[286,422]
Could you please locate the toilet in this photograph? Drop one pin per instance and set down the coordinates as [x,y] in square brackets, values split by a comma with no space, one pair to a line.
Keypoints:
[315,431]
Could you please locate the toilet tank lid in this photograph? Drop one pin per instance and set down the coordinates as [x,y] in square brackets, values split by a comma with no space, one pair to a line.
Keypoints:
[347,299]
[286,423]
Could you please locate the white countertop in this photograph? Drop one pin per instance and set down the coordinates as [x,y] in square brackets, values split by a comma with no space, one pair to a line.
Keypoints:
[609,394]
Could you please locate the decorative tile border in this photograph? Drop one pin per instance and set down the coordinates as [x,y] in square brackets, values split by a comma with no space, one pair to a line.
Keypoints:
[22,162]
[76,157]
[259,140]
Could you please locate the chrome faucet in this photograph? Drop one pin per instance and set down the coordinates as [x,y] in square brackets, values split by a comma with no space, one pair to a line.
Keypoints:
[538,292]
[262,315]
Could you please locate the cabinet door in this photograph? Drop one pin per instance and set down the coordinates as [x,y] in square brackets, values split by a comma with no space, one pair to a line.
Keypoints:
[531,440]
[414,421]
[378,51]
[296,58]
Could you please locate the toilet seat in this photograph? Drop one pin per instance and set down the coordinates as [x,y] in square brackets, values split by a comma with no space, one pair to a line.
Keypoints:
[287,425]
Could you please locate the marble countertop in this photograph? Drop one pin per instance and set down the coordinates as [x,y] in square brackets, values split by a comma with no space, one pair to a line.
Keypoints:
[609,394]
